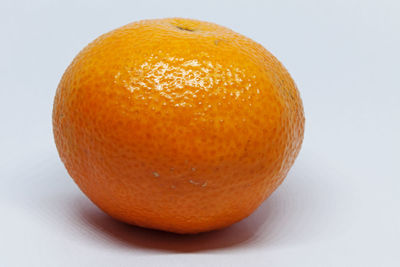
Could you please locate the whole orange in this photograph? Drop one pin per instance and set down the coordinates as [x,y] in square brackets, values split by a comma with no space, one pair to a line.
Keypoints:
[177,124]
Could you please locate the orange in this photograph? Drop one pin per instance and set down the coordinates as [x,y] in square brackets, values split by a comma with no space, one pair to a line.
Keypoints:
[177,124]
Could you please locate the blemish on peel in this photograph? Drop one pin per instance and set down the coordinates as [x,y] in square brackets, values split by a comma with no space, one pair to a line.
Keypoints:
[198,183]
[156,174]
[193,169]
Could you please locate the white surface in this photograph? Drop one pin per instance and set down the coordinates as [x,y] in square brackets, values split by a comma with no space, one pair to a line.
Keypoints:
[340,203]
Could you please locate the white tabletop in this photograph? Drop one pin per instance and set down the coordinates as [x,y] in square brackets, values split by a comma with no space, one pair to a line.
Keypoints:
[339,205]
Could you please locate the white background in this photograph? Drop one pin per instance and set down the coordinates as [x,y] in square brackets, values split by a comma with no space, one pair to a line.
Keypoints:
[339,205]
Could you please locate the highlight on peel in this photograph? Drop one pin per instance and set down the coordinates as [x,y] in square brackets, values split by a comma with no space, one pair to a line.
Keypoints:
[177,124]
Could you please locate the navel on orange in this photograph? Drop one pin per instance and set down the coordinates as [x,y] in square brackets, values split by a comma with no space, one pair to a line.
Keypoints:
[177,124]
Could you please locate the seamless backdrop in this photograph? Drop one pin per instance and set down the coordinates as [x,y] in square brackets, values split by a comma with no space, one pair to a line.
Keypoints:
[339,205]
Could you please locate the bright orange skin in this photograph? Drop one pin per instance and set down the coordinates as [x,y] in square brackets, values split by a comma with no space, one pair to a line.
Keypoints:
[177,124]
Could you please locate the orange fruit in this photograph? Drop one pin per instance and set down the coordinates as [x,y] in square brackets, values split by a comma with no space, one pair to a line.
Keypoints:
[177,124]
